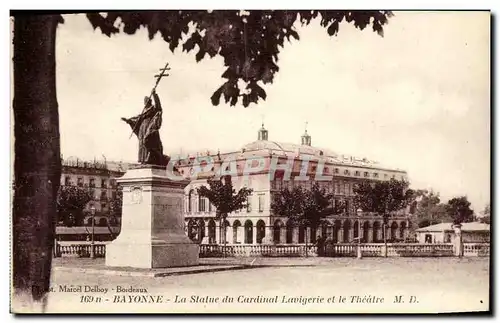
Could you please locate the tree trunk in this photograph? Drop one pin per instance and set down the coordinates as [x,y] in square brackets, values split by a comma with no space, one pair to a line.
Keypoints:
[225,236]
[385,240]
[37,161]
[305,235]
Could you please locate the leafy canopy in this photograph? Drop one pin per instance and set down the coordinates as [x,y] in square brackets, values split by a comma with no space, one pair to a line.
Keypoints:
[71,201]
[223,196]
[459,209]
[429,209]
[249,41]
[301,206]
[383,197]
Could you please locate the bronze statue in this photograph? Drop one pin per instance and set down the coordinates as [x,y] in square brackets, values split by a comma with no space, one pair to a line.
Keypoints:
[146,127]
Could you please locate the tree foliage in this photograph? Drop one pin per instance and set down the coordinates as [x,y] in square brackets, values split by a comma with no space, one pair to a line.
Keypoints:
[429,209]
[249,41]
[486,214]
[301,206]
[459,209]
[115,207]
[71,201]
[223,196]
[383,197]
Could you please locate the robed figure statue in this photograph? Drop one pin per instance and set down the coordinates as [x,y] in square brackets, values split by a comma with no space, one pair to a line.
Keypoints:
[146,127]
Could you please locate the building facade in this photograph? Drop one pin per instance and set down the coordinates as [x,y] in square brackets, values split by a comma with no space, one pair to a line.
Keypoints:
[473,232]
[266,167]
[100,179]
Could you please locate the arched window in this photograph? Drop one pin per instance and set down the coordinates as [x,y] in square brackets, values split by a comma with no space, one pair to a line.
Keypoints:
[202,206]
[236,229]
[248,231]
[277,231]
[261,231]
[289,232]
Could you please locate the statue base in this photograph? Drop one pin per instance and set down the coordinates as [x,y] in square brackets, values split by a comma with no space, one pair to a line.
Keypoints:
[152,233]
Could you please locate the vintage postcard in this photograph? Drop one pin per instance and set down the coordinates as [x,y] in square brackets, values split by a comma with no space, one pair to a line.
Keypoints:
[250,161]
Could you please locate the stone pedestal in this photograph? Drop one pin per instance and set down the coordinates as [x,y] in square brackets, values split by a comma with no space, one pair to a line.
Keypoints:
[152,233]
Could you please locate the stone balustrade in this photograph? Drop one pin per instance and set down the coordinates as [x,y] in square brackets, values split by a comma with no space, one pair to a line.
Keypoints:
[476,249]
[299,250]
[79,250]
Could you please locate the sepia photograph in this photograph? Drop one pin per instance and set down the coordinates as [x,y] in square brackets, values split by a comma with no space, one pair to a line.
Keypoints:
[250,162]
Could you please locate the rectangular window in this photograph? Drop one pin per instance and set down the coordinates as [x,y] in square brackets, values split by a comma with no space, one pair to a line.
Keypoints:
[357,173]
[80,181]
[366,174]
[347,189]
[261,203]
[67,181]
[103,183]
[103,195]
[375,175]
[92,183]
[336,170]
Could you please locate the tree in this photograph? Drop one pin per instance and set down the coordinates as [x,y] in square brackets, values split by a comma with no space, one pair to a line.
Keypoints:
[428,209]
[115,210]
[223,196]
[383,198]
[459,209]
[303,207]
[486,216]
[71,201]
[248,55]
[249,41]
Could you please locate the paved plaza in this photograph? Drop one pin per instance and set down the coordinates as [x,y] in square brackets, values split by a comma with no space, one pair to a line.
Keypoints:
[283,285]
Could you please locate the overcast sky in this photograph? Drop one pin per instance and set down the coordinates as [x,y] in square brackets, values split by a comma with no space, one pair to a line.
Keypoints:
[417,99]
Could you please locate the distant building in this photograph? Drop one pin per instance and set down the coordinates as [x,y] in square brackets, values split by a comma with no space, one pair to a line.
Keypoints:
[257,224]
[475,232]
[98,176]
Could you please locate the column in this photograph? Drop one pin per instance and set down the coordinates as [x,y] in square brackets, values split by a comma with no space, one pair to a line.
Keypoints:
[217,233]
[388,233]
[240,231]
[341,235]
[370,235]
[361,233]
[254,234]
[268,235]
[351,234]
[282,235]
[295,235]
[229,234]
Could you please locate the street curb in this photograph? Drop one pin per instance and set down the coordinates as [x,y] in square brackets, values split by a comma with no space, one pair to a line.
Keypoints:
[129,273]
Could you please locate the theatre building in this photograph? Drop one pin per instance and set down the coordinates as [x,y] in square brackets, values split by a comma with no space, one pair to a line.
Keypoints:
[267,161]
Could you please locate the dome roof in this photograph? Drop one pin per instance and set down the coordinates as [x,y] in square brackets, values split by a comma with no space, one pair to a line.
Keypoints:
[284,148]
[267,147]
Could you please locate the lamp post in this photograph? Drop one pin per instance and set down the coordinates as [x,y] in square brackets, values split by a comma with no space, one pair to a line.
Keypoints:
[92,212]
[359,212]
